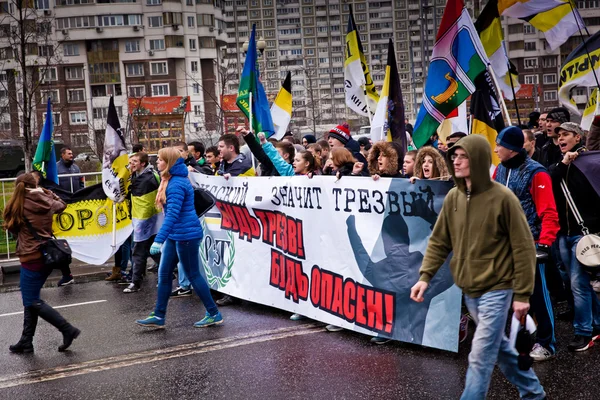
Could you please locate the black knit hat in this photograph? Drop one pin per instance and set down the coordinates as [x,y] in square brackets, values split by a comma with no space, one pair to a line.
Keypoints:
[511,138]
[559,114]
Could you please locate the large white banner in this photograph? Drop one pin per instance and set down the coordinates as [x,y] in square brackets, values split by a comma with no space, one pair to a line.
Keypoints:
[344,252]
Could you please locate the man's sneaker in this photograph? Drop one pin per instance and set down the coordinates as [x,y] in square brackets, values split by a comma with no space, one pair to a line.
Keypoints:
[132,288]
[596,286]
[66,280]
[540,353]
[227,300]
[596,335]
[297,317]
[209,320]
[181,292]
[580,343]
[334,328]
[151,322]
[379,340]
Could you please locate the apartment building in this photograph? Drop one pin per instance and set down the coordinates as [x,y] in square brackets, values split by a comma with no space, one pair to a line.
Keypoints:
[95,49]
[307,37]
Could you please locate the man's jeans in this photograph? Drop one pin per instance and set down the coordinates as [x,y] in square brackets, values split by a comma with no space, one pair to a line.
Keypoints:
[491,346]
[189,257]
[123,254]
[141,251]
[587,306]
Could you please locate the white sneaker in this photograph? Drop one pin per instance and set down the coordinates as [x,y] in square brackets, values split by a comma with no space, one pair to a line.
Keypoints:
[334,328]
[540,353]
[596,286]
[297,317]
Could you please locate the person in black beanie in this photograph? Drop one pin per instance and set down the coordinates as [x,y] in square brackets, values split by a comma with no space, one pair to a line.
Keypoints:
[532,185]
[550,153]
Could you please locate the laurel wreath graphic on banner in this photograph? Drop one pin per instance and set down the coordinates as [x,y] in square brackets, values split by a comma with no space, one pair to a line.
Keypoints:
[221,281]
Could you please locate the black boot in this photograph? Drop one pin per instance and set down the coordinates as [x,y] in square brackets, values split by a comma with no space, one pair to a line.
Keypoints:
[52,316]
[25,344]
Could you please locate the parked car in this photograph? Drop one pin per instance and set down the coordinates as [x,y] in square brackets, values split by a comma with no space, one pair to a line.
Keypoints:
[12,157]
[86,157]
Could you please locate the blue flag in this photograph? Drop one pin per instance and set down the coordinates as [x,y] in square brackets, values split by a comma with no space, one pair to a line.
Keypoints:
[44,160]
[250,83]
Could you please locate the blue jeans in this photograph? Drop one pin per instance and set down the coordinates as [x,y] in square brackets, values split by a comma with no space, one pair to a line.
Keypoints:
[124,254]
[183,281]
[586,304]
[491,346]
[188,254]
[31,283]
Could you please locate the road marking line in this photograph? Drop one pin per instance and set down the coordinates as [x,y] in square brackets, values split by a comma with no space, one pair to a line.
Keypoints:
[145,357]
[65,306]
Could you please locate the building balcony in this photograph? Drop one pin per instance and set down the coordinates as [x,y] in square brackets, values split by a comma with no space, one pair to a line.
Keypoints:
[102,56]
[105,78]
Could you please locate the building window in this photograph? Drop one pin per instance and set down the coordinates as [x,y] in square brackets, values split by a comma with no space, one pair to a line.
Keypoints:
[528,29]
[159,68]
[191,22]
[194,66]
[531,79]
[550,95]
[78,118]
[52,94]
[161,89]
[153,2]
[56,118]
[136,69]
[48,75]
[136,91]
[155,22]
[132,46]
[193,44]
[530,63]
[197,110]
[70,49]
[530,46]
[196,88]
[76,95]
[74,73]
[42,4]
[157,44]
[549,79]
[549,62]
[206,20]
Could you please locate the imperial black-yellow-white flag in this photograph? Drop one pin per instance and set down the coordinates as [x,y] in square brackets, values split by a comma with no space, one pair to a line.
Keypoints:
[359,84]
[577,70]
[115,174]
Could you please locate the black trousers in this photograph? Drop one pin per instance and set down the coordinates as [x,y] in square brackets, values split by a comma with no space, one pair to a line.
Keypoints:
[141,252]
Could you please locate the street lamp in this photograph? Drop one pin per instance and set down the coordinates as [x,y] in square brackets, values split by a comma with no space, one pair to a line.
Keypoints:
[261,45]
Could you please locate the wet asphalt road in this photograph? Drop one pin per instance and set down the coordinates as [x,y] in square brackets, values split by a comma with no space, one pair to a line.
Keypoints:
[258,353]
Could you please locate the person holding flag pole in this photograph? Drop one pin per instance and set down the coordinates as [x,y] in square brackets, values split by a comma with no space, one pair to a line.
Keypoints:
[115,175]
[46,173]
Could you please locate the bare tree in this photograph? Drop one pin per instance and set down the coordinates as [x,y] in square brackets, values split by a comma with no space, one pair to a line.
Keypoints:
[28,51]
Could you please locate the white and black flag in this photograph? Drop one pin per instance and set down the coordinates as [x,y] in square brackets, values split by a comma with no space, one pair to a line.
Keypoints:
[115,174]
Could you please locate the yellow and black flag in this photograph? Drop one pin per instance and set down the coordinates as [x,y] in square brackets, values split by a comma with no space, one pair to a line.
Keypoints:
[578,71]
[486,113]
[281,109]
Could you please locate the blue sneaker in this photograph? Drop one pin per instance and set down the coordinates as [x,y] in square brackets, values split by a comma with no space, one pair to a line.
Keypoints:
[209,320]
[151,322]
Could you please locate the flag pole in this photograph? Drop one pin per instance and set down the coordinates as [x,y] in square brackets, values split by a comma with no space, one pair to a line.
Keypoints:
[500,97]
[512,87]
[114,230]
[368,107]
[576,14]
[251,129]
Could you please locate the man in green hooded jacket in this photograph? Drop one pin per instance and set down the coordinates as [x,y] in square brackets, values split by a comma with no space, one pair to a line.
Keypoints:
[483,223]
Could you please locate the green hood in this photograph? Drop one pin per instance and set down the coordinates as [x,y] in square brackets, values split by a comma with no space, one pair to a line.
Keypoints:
[480,161]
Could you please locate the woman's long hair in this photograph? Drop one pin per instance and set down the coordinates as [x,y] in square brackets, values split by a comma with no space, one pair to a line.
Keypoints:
[169,155]
[314,163]
[341,156]
[14,217]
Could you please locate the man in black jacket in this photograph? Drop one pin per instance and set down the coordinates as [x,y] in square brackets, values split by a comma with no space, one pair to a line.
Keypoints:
[551,152]
[340,137]
[569,181]
[196,152]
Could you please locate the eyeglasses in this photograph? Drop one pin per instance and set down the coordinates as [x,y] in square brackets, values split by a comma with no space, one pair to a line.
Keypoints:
[459,157]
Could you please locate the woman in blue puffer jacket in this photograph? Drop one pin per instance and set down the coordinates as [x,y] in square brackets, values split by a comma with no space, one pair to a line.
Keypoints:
[178,239]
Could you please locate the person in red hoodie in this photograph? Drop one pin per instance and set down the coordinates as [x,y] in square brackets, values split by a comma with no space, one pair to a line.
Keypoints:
[532,185]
